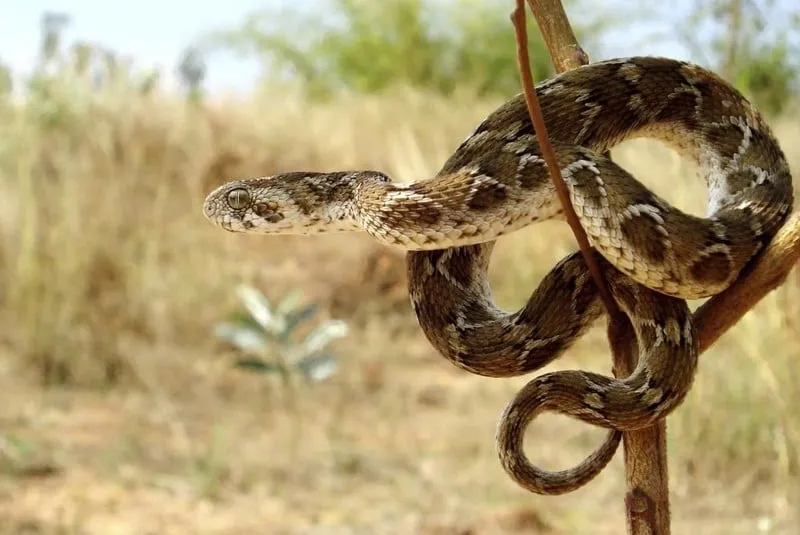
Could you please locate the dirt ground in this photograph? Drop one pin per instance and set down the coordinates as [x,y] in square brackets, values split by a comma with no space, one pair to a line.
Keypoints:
[399,442]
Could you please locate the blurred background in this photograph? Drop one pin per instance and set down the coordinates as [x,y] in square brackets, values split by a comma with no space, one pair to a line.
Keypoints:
[158,375]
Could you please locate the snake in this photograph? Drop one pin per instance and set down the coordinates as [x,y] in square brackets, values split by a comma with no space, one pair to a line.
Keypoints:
[653,256]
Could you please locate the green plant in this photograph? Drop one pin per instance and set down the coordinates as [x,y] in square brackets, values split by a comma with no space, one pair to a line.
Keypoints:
[271,340]
[367,46]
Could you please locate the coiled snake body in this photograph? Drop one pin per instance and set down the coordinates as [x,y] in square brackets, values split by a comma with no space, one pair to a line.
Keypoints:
[653,255]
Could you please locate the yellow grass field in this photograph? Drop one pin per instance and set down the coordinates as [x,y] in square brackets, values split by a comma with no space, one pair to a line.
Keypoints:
[120,412]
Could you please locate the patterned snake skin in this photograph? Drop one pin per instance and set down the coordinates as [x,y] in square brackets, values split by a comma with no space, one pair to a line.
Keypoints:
[653,255]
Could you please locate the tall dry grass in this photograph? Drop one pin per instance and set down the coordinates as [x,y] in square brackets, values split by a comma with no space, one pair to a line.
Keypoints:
[105,257]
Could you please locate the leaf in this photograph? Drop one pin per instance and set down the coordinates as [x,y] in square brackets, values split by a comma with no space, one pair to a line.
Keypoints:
[257,305]
[318,368]
[288,303]
[258,365]
[296,317]
[244,338]
[322,335]
[243,319]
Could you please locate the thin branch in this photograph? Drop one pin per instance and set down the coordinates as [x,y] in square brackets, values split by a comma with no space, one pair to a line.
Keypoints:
[645,450]
[535,112]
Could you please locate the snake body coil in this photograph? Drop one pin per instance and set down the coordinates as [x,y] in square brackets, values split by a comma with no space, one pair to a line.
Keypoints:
[653,255]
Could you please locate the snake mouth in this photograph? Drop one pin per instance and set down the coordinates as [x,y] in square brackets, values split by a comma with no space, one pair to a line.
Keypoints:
[235,224]
[221,222]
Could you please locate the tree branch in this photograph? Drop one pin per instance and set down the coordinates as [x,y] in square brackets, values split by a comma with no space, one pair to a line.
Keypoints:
[647,499]
[767,273]
[565,51]
[645,451]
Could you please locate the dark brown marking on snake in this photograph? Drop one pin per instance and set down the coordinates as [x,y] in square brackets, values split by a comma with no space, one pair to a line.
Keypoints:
[727,139]
[425,215]
[585,178]
[268,211]
[741,179]
[313,188]
[600,98]
[453,265]
[713,268]
[718,99]
[529,172]
[712,237]
[762,153]
[306,205]
[680,109]
[545,352]
[643,234]
[488,195]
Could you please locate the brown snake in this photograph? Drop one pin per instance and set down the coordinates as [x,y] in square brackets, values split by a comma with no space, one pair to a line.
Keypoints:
[653,255]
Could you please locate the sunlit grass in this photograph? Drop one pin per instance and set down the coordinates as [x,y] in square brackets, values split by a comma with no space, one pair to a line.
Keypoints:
[109,273]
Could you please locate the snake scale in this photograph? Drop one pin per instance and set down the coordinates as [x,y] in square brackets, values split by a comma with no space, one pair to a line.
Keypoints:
[653,255]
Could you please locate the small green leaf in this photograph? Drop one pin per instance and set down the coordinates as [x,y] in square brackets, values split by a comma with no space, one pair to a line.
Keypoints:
[258,365]
[322,335]
[256,304]
[244,319]
[288,303]
[317,368]
[244,338]
[298,316]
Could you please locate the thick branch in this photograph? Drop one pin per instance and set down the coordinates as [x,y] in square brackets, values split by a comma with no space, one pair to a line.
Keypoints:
[770,269]
[565,51]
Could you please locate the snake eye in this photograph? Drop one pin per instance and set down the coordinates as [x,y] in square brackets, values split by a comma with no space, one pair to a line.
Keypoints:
[238,198]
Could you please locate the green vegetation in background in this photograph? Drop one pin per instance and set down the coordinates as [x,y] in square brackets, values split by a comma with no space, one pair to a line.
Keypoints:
[469,44]
[267,337]
[368,46]
[364,46]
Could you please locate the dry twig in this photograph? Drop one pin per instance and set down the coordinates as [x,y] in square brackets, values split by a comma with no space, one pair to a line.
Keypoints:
[549,155]
[645,450]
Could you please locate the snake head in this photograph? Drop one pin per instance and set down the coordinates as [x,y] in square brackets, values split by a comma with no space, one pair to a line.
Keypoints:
[252,206]
[288,203]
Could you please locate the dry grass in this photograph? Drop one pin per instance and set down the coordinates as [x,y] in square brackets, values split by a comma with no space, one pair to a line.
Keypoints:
[121,413]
